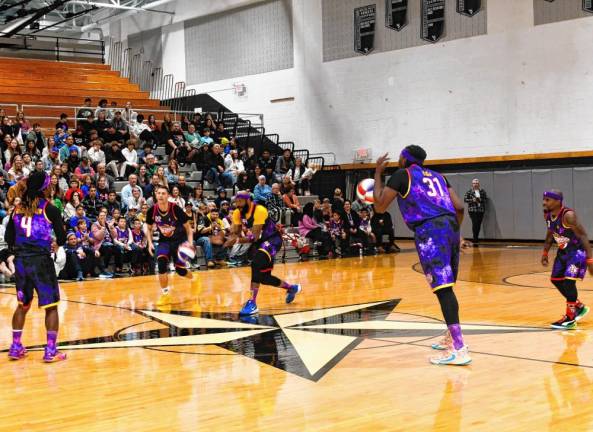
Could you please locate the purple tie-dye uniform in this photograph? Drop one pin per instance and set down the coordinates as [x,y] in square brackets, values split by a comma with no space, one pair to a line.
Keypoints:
[428,210]
[571,259]
[33,234]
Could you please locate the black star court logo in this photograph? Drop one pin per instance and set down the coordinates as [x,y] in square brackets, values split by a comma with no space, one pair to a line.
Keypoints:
[308,343]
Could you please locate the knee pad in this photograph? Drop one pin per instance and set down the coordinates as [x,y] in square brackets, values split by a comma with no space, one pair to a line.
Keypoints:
[163,264]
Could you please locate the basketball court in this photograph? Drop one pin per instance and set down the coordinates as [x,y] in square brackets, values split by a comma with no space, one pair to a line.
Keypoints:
[350,354]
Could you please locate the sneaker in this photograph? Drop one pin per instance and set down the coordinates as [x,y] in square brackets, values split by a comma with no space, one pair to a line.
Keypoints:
[453,357]
[17,352]
[211,264]
[105,275]
[292,292]
[446,343]
[164,300]
[581,311]
[250,308]
[564,323]
[53,355]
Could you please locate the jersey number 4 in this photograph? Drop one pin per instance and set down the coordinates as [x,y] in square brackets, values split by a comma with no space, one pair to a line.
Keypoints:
[26,223]
[433,184]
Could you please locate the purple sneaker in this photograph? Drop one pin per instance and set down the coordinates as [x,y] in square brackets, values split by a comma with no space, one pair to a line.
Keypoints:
[17,352]
[53,355]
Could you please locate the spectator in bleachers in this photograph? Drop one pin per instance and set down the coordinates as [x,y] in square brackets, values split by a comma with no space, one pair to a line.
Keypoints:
[102,172]
[218,237]
[126,191]
[85,110]
[184,122]
[143,212]
[111,134]
[150,188]
[62,177]
[326,210]
[101,124]
[311,229]
[84,169]
[86,183]
[220,196]
[209,123]
[160,172]
[296,175]
[166,128]
[276,200]
[103,188]
[78,215]
[122,243]
[115,157]
[225,209]
[150,164]
[17,170]
[36,134]
[96,153]
[76,259]
[141,130]
[261,191]
[112,204]
[197,198]
[337,233]
[143,177]
[202,234]
[338,200]
[358,205]
[243,181]
[215,168]
[92,204]
[139,243]
[368,237]
[74,186]
[176,147]
[192,136]
[73,160]
[129,114]
[80,137]
[291,201]
[102,109]
[120,125]
[233,165]
[185,190]
[88,126]
[221,133]
[286,185]
[6,127]
[39,166]
[73,201]
[352,227]
[284,164]
[23,123]
[65,150]
[382,226]
[32,150]
[267,164]
[136,200]
[63,122]
[13,149]
[28,162]
[206,139]
[172,172]
[176,197]
[130,156]
[102,243]
[250,160]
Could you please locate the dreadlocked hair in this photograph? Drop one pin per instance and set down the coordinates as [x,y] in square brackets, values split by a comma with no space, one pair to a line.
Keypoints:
[29,205]
[418,153]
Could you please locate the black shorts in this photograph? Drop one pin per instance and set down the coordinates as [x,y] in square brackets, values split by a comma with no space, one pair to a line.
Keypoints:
[36,274]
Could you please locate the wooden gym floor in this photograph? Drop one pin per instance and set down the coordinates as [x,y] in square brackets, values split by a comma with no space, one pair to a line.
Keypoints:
[349,354]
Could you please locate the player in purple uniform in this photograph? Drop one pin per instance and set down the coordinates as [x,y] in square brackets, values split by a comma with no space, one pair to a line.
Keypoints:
[267,242]
[174,228]
[572,259]
[434,212]
[29,235]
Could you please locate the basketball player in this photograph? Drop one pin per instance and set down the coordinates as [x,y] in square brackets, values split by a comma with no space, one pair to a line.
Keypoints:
[174,229]
[267,242]
[431,209]
[572,259]
[29,234]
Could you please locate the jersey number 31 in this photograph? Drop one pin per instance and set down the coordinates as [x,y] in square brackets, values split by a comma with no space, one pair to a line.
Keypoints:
[433,184]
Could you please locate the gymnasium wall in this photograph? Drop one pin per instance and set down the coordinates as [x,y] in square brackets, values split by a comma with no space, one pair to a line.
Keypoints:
[150,43]
[546,12]
[518,89]
[514,208]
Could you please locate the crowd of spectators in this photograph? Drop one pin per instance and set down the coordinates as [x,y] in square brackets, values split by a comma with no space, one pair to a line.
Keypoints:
[110,144]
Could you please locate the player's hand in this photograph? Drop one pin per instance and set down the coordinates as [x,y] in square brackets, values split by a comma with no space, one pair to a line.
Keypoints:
[150,249]
[382,163]
[545,262]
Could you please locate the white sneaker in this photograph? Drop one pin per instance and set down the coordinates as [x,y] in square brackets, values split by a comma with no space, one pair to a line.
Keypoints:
[454,357]
[446,343]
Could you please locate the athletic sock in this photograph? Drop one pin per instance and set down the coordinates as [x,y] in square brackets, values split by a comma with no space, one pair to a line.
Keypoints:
[165,290]
[571,309]
[455,331]
[16,336]
[286,285]
[52,336]
[254,292]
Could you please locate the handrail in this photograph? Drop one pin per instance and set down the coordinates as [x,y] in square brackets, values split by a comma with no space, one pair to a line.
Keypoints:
[332,154]
[13,43]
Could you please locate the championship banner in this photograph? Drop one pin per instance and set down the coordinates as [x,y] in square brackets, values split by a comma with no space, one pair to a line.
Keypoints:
[588,6]
[469,7]
[396,14]
[433,20]
[364,29]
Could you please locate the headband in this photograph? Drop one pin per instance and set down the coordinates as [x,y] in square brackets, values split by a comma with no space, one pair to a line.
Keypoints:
[408,156]
[553,195]
[243,195]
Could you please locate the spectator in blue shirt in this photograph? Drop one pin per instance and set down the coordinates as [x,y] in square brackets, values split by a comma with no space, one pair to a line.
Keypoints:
[262,191]
[79,215]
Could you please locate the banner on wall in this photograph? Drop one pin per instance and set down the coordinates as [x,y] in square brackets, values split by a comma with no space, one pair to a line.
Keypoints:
[588,6]
[433,20]
[364,28]
[396,14]
[469,7]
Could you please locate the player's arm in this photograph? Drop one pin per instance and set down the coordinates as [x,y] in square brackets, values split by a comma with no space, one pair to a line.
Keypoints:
[383,196]
[547,246]
[10,233]
[148,227]
[53,214]
[236,229]
[457,204]
[184,219]
[571,220]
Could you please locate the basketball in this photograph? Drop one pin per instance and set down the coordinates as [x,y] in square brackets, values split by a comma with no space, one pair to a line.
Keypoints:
[364,190]
[186,252]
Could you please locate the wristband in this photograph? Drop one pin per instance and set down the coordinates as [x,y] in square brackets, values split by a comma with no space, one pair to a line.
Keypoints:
[545,253]
[589,260]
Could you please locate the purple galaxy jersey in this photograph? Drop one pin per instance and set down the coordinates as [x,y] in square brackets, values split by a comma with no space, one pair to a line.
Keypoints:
[426,207]
[169,224]
[33,233]
[571,259]
[427,197]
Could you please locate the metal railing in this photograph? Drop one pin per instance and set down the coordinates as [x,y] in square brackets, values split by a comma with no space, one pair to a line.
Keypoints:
[53,48]
[327,157]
